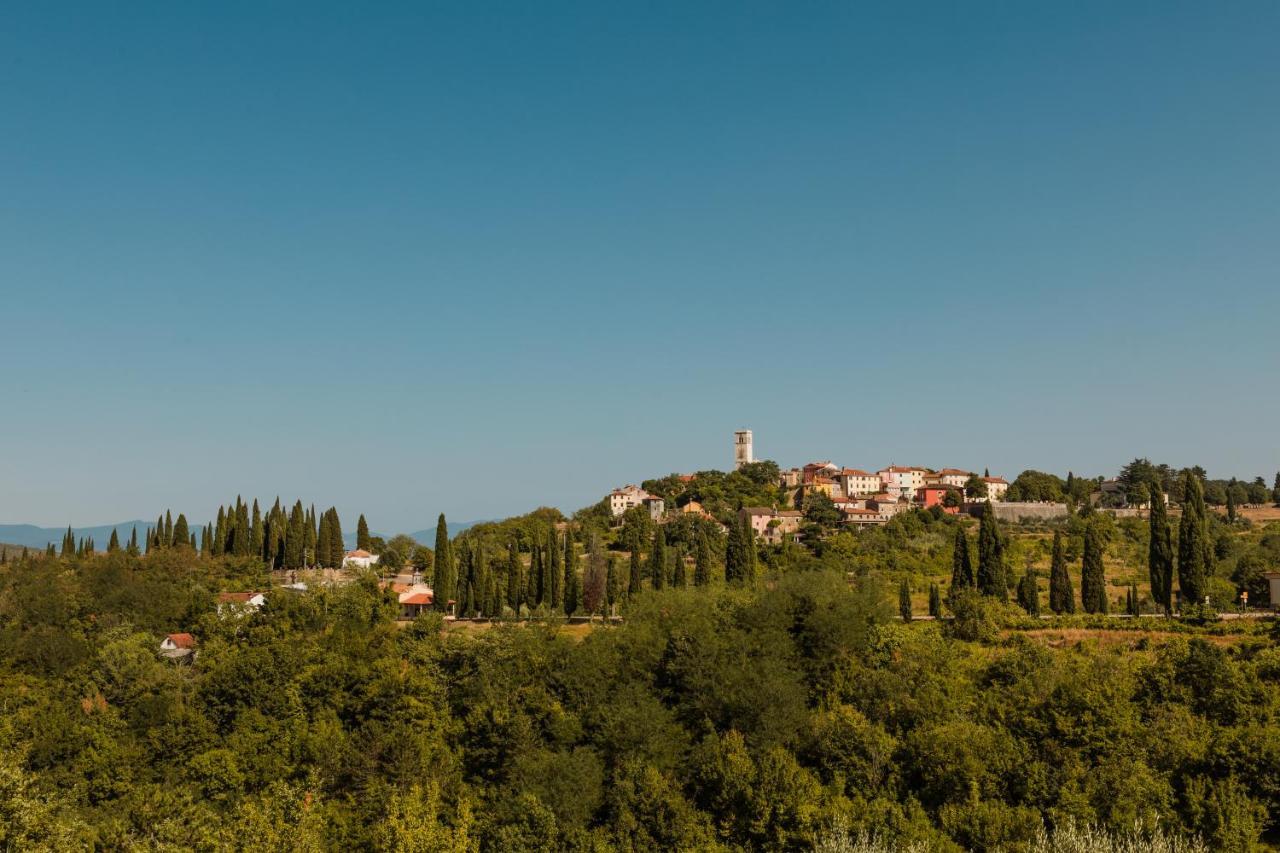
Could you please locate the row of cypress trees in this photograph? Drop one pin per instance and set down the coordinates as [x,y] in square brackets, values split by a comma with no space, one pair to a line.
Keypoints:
[489,584]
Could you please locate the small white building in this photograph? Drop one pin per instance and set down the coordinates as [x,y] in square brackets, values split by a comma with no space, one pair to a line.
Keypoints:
[949,477]
[359,559]
[178,646]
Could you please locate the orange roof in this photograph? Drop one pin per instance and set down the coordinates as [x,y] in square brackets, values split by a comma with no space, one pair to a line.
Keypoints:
[954,471]
[236,597]
[182,641]
[824,481]
[359,552]
[687,478]
[995,480]
[898,469]
[418,598]
[854,472]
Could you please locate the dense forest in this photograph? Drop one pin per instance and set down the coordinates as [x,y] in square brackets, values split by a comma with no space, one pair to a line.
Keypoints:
[750,698]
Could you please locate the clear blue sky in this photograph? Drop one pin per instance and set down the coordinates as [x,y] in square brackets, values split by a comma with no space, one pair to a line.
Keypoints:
[406,258]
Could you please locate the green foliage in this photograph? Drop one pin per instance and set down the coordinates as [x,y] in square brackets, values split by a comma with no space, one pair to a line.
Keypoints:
[991,578]
[1093,584]
[1062,597]
[1195,558]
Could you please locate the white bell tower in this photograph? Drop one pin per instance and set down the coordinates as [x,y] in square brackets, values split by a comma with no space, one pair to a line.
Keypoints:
[742,448]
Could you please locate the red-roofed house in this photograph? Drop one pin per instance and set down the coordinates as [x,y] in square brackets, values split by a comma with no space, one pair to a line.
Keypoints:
[414,603]
[949,477]
[996,487]
[176,646]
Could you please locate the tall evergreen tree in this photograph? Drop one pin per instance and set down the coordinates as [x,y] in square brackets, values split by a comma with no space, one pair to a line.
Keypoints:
[337,550]
[68,543]
[573,587]
[1160,552]
[362,534]
[679,576]
[904,601]
[550,562]
[309,543]
[322,541]
[991,571]
[181,533]
[167,539]
[612,585]
[443,579]
[295,538]
[1193,543]
[1093,584]
[593,593]
[50,552]
[935,601]
[637,572]
[560,567]
[658,559]
[133,542]
[515,577]
[961,563]
[220,532]
[1232,513]
[1062,598]
[257,532]
[702,562]
[113,544]
[752,561]
[1133,600]
[1029,592]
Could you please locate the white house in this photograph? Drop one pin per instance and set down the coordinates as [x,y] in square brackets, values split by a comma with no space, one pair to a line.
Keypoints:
[854,482]
[359,559]
[623,499]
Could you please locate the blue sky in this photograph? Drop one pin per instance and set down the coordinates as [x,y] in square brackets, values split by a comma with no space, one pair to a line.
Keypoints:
[412,258]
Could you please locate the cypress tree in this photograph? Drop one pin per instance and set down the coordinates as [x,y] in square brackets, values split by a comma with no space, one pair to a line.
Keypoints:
[133,542]
[295,538]
[935,601]
[181,533]
[257,533]
[1062,598]
[443,579]
[1093,590]
[309,543]
[515,571]
[113,544]
[479,578]
[751,561]
[337,550]
[1160,553]
[550,560]
[362,534]
[322,542]
[462,596]
[991,573]
[167,539]
[572,591]
[1231,502]
[68,543]
[50,552]
[702,562]
[611,584]
[1132,599]
[1029,592]
[961,563]
[220,532]
[634,576]
[658,560]
[680,577]
[1193,543]
[559,564]
[904,601]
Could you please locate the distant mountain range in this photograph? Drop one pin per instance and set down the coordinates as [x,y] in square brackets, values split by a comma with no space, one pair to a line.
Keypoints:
[31,536]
